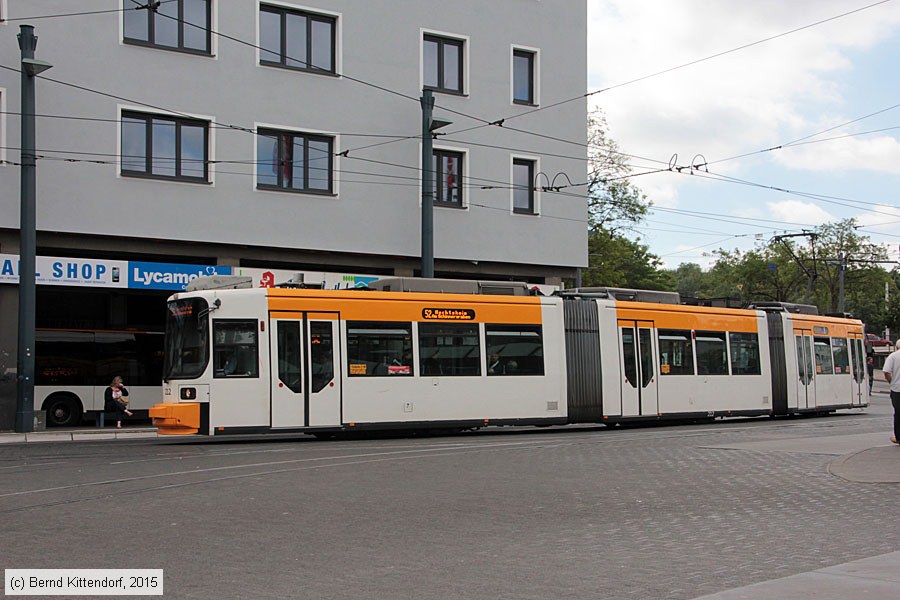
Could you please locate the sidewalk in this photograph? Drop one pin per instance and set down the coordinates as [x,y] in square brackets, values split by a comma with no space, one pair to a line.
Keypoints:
[81,434]
[875,577]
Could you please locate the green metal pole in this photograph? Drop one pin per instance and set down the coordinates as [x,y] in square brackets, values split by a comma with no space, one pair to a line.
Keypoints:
[427,102]
[27,234]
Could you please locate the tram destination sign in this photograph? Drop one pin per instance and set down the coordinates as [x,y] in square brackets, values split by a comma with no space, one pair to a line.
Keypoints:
[448,314]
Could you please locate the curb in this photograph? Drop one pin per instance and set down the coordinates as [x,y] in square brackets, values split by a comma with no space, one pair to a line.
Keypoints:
[80,435]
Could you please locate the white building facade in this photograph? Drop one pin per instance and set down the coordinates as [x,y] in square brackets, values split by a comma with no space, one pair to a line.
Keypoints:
[281,135]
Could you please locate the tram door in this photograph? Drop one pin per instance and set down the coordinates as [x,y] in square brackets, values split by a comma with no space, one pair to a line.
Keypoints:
[638,384]
[858,362]
[305,379]
[806,382]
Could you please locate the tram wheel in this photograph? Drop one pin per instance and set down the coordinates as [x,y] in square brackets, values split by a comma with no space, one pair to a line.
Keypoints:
[63,410]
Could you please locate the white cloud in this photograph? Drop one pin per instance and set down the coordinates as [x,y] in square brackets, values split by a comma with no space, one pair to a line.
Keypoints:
[741,102]
[877,154]
[796,211]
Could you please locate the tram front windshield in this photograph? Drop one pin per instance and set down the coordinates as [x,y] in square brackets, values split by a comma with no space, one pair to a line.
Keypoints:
[187,339]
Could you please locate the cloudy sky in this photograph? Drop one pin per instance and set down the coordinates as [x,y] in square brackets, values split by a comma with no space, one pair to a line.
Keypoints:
[773,93]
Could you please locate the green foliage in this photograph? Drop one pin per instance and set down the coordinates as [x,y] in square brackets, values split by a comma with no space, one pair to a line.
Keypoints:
[803,270]
[614,203]
[616,261]
[614,206]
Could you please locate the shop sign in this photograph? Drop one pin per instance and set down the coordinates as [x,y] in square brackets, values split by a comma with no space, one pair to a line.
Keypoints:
[329,281]
[168,276]
[53,270]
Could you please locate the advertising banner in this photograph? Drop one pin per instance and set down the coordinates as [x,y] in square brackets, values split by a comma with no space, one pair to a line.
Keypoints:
[330,281]
[168,276]
[54,270]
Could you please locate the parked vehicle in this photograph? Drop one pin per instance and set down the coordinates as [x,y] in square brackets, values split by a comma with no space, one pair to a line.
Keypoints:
[876,341]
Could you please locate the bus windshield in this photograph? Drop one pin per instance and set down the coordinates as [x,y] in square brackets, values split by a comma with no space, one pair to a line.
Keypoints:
[187,335]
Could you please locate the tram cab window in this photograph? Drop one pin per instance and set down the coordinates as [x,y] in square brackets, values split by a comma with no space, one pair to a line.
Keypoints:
[841,356]
[712,353]
[824,363]
[379,349]
[514,349]
[449,349]
[235,348]
[187,339]
[676,352]
[744,353]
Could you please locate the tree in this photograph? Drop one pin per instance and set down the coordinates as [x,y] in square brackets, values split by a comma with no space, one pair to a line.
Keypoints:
[839,244]
[616,261]
[689,280]
[615,205]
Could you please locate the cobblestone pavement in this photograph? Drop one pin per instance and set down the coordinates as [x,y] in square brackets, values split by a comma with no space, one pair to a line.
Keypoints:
[659,512]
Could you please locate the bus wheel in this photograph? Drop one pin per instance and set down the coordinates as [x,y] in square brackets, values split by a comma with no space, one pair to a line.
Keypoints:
[63,410]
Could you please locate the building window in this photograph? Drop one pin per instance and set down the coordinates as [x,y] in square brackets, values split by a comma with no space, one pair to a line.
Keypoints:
[294,161]
[447,167]
[174,25]
[2,125]
[523,77]
[442,61]
[523,186]
[164,147]
[296,40]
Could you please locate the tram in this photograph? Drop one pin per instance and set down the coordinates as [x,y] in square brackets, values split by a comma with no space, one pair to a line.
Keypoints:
[328,361]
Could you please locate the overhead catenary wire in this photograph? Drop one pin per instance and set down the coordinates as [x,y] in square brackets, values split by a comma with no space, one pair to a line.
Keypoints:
[80,14]
[492,122]
[670,69]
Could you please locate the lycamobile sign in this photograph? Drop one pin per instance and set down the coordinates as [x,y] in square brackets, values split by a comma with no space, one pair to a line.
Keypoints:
[168,276]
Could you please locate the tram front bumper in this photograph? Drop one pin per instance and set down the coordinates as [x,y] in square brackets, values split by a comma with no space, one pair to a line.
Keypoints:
[176,419]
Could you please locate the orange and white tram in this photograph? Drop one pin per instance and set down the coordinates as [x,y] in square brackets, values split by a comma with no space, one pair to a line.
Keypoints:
[326,361]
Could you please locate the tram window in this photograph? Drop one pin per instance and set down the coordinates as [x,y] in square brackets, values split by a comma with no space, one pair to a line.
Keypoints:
[322,355]
[376,349]
[289,369]
[712,353]
[676,352]
[449,349]
[841,356]
[824,364]
[235,348]
[514,349]
[744,353]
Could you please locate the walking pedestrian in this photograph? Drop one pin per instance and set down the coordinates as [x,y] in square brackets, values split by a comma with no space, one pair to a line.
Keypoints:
[870,371]
[891,366]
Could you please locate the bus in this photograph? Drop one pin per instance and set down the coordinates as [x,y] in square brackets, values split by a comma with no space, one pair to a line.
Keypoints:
[326,361]
[73,368]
